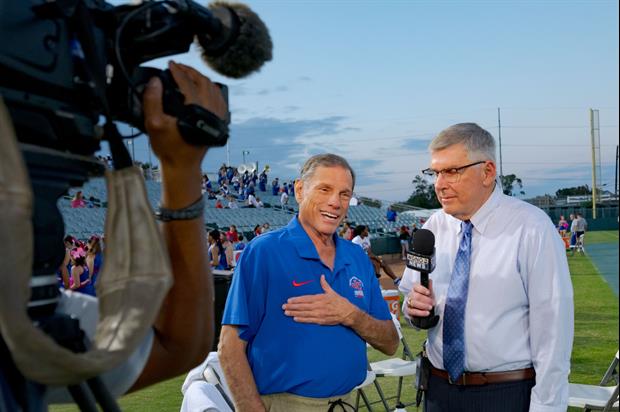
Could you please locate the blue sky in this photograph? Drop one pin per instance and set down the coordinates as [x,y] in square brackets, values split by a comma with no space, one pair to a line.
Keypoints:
[374,81]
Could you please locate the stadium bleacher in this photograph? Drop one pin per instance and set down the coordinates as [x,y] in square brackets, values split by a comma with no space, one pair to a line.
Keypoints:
[82,222]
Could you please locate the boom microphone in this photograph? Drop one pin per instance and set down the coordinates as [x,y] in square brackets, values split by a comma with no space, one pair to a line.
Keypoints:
[421,257]
[242,45]
[234,40]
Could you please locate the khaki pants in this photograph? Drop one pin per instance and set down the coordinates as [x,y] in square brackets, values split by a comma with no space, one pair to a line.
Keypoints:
[286,402]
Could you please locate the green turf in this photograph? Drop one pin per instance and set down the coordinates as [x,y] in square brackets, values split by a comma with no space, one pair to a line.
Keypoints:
[596,341]
[602,236]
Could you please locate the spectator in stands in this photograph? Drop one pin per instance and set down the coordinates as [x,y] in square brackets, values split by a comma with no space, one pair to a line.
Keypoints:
[217,254]
[240,245]
[259,203]
[236,184]
[252,201]
[230,172]
[562,226]
[206,183]
[224,188]
[283,199]
[232,234]
[94,258]
[221,174]
[219,204]
[80,278]
[228,248]
[93,202]
[78,200]
[291,186]
[403,237]
[211,194]
[257,230]
[275,187]
[390,215]
[232,203]
[346,231]
[302,306]
[262,181]
[265,228]
[362,238]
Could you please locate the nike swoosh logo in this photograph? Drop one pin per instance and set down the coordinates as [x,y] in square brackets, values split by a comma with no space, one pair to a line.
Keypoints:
[297,284]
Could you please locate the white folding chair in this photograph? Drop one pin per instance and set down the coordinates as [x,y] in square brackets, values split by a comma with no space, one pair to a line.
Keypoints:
[396,367]
[205,388]
[597,397]
[214,374]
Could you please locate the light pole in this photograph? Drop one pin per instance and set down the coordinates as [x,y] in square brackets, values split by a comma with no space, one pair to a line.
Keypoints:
[245,152]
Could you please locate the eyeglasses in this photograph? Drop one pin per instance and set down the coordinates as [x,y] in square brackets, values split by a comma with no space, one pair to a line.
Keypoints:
[451,175]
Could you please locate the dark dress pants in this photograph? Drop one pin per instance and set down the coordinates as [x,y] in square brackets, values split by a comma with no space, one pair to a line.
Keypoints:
[499,397]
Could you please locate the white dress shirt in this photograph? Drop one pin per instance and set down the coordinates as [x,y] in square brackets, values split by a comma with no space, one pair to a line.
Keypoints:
[519,309]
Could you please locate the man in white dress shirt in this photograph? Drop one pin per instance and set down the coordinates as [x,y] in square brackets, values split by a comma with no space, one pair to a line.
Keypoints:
[501,288]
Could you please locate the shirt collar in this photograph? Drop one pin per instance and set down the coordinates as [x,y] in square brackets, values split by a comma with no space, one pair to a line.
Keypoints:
[481,218]
[307,250]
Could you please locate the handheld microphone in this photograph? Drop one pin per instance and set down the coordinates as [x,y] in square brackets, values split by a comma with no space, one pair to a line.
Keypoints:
[421,257]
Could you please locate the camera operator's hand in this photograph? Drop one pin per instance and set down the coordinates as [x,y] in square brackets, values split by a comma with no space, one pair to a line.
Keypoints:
[197,89]
[178,158]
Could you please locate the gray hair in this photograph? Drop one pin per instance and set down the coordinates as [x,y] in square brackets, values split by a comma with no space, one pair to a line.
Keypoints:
[476,140]
[324,160]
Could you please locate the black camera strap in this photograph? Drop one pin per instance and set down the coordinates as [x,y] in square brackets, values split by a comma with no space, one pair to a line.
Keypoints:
[83,24]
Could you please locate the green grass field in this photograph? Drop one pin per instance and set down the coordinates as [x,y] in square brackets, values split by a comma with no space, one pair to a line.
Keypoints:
[596,341]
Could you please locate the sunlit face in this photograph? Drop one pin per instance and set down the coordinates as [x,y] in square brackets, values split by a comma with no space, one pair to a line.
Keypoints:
[324,199]
[463,198]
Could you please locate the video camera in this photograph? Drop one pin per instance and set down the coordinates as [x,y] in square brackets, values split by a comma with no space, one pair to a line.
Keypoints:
[71,68]
[65,64]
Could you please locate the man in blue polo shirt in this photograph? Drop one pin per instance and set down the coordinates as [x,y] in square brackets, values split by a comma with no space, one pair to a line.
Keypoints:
[303,304]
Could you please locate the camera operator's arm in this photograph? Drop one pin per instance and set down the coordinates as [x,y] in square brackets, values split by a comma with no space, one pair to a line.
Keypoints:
[184,327]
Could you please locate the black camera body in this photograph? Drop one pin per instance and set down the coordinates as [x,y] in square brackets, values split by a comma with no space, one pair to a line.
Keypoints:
[66,64]
[62,59]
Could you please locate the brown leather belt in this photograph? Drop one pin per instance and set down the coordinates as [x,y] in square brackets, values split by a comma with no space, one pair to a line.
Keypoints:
[484,378]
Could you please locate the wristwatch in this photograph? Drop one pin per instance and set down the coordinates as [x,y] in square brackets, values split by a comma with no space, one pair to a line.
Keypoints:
[192,211]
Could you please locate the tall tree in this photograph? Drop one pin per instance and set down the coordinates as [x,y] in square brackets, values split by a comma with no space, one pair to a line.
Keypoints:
[423,194]
[573,191]
[512,185]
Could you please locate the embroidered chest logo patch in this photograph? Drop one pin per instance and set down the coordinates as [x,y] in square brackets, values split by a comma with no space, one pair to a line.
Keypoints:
[357,286]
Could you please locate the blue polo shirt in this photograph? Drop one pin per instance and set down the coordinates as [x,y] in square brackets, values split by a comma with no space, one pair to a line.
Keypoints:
[286,356]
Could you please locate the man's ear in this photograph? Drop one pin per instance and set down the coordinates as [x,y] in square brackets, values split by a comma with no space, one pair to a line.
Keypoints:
[490,173]
[299,188]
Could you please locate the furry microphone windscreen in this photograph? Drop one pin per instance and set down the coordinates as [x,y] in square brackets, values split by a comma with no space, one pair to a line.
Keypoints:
[248,51]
